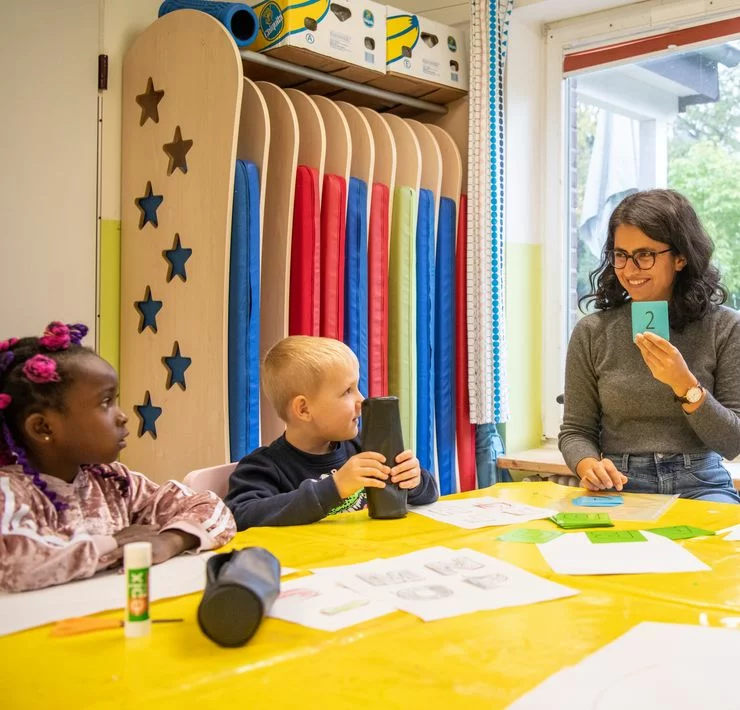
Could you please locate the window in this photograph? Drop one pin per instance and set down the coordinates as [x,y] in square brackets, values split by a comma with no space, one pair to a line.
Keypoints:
[627,113]
[668,122]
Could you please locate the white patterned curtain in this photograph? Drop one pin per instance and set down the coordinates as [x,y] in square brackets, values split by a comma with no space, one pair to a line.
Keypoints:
[486,325]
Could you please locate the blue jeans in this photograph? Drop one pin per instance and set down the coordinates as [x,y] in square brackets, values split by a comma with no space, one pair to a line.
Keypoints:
[488,447]
[697,476]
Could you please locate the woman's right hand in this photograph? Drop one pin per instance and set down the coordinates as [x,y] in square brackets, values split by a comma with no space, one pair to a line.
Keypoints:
[597,475]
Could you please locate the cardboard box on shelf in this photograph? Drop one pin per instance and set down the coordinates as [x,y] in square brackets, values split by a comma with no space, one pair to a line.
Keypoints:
[345,38]
[423,58]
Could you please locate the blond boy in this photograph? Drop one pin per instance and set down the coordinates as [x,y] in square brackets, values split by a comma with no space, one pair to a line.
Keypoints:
[316,467]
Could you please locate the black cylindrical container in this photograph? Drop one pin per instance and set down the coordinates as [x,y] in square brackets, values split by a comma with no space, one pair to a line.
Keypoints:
[241,587]
[381,432]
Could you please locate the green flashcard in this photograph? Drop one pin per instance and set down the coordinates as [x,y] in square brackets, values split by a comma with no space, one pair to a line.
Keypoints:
[650,317]
[600,536]
[582,520]
[528,535]
[680,532]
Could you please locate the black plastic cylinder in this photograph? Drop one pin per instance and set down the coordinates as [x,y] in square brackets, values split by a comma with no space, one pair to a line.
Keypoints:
[381,432]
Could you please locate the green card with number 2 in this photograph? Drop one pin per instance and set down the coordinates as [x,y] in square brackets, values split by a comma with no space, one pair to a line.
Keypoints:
[650,317]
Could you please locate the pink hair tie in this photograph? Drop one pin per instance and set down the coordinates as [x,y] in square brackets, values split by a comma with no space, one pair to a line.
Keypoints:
[7,344]
[55,337]
[5,400]
[41,369]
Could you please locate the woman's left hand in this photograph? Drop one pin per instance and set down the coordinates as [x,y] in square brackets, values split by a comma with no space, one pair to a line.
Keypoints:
[665,362]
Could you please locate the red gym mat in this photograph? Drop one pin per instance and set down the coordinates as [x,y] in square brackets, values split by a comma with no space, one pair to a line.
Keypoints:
[377,264]
[465,430]
[305,267]
[333,217]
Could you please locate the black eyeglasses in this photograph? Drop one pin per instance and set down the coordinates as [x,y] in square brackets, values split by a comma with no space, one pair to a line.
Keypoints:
[643,259]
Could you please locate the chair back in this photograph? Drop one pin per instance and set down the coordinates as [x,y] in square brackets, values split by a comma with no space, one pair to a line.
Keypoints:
[213,478]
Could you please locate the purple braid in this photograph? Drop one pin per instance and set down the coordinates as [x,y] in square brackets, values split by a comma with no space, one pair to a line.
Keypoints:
[105,471]
[6,360]
[77,331]
[6,455]
[19,453]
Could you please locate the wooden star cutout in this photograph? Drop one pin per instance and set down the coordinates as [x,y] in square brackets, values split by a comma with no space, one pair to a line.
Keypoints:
[177,257]
[176,365]
[148,415]
[148,309]
[149,204]
[149,102]
[177,150]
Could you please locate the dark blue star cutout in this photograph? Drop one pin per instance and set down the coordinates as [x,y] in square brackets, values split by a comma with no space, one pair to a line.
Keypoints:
[148,206]
[177,256]
[148,309]
[176,364]
[148,414]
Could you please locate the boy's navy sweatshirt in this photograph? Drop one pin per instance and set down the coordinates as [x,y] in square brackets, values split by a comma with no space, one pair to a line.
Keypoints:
[282,485]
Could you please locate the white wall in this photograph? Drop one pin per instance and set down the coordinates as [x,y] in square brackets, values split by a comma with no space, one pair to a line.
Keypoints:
[449,12]
[123,22]
[525,90]
[48,163]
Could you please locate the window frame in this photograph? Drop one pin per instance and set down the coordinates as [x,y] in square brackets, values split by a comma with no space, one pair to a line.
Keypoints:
[617,29]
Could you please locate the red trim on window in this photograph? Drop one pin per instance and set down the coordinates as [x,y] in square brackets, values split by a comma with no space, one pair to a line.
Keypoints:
[647,45]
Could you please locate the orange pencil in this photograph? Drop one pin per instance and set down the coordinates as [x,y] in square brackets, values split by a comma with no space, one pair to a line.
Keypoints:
[85,624]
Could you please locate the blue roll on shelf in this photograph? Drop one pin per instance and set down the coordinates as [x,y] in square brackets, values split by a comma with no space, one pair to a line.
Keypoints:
[239,19]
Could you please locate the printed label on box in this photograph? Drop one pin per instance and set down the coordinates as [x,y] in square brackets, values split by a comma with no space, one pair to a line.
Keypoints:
[422,48]
[349,30]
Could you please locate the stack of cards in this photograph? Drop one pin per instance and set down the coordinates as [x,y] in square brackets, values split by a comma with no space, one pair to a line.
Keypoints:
[572,521]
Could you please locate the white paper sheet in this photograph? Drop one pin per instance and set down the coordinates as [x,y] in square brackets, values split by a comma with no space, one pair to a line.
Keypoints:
[733,532]
[321,603]
[574,553]
[652,666]
[104,591]
[485,511]
[438,583]
[181,575]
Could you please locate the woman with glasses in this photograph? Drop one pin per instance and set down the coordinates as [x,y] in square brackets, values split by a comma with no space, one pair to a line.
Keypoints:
[649,415]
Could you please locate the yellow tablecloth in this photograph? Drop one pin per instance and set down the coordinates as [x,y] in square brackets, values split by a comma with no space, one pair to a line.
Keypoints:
[481,660]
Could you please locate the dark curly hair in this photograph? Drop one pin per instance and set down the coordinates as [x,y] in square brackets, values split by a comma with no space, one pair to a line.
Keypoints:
[23,395]
[665,216]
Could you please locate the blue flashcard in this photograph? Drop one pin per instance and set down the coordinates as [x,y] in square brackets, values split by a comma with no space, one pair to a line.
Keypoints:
[598,501]
[650,317]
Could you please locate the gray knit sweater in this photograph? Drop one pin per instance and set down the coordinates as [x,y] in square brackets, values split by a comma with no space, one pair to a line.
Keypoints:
[613,404]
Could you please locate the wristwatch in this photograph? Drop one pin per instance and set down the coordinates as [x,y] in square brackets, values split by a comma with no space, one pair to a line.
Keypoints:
[692,396]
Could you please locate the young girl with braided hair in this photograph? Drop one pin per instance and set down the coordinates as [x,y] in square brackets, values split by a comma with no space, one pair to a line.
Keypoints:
[67,507]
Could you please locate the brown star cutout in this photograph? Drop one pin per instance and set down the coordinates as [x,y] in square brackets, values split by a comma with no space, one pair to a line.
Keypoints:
[177,150]
[149,102]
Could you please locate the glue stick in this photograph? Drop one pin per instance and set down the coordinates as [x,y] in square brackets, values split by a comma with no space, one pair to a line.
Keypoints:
[137,559]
